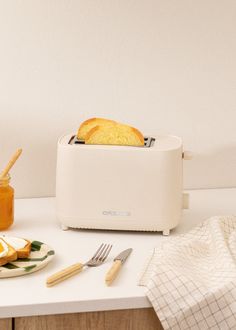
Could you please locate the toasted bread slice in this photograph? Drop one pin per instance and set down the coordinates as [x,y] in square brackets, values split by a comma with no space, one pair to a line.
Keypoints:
[25,251]
[10,255]
[21,245]
[87,125]
[117,134]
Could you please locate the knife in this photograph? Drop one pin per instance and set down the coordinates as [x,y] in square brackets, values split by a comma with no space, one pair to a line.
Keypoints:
[118,261]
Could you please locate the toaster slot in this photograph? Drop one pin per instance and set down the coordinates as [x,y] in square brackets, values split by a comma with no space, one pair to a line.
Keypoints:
[75,140]
[148,141]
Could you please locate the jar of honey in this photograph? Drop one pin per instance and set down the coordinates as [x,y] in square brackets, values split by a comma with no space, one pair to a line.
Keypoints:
[6,203]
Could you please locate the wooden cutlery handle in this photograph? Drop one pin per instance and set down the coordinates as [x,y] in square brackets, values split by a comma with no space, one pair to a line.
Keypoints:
[113,271]
[64,274]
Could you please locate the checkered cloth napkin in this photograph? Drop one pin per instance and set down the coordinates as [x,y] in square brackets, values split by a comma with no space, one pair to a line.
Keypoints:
[191,279]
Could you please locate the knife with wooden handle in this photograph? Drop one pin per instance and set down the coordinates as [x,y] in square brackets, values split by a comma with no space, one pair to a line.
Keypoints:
[115,268]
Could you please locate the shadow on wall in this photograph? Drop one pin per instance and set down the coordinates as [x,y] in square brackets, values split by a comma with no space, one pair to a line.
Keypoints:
[213,169]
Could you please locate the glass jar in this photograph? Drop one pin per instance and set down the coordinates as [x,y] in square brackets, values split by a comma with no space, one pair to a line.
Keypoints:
[6,203]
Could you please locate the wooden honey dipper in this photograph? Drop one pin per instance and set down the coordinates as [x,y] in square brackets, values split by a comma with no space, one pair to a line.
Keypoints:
[11,163]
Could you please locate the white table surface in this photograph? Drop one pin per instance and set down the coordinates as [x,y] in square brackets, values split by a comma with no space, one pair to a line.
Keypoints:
[35,218]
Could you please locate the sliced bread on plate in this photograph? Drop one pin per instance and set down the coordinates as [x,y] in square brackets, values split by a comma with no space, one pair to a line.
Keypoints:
[7,252]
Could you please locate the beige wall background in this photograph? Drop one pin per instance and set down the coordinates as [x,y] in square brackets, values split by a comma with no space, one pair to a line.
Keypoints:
[163,66]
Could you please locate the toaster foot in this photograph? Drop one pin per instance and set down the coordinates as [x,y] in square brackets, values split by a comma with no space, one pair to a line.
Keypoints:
[166,232]
[64,227]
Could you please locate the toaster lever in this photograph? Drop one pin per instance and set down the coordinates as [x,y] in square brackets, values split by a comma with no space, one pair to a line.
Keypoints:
[185,201]
[187,155]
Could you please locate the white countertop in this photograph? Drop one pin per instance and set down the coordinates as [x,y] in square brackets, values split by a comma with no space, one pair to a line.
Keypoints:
[35,218]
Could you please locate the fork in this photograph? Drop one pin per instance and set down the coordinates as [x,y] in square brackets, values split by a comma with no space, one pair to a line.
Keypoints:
[97,259]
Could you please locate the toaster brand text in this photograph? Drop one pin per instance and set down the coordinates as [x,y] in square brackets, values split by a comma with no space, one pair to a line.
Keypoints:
[117,213]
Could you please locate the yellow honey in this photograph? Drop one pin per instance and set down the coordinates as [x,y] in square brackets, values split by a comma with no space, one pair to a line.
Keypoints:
[6,203]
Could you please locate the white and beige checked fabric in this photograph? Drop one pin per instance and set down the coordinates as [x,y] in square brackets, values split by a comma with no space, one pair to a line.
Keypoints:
[191,279]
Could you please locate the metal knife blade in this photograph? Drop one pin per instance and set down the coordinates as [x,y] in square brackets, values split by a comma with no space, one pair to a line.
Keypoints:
[117,262]
[123,255]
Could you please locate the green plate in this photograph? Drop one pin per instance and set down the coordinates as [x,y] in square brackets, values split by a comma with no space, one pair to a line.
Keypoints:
[41,254]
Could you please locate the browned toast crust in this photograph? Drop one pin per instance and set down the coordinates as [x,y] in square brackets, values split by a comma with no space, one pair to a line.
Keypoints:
[94,121]
[11,255]
[25,251]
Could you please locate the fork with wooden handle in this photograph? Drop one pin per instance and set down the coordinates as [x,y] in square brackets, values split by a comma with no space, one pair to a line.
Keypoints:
[98,258]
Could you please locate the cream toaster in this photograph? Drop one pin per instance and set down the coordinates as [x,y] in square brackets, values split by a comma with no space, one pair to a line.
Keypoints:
[120,187]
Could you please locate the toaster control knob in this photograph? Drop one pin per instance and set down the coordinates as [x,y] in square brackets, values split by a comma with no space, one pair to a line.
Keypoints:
[187,155]
[185,201]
